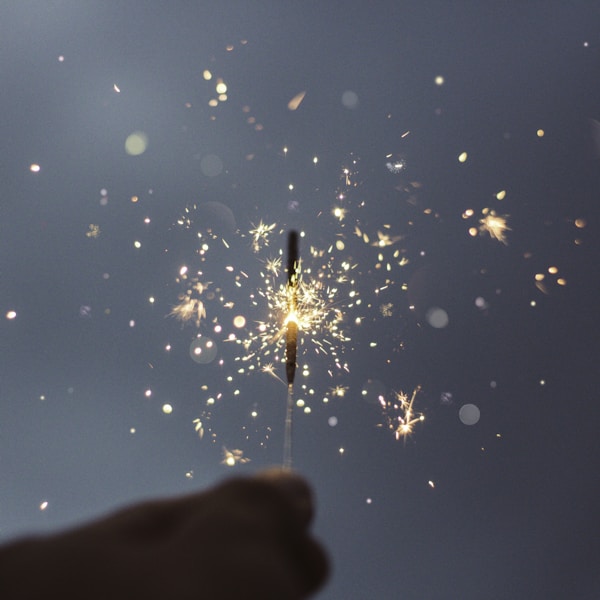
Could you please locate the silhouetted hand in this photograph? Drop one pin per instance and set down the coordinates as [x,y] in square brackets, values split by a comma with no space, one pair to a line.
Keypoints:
[247,538]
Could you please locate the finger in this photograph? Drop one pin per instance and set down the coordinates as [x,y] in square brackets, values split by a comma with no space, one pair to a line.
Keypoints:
[312,564]
[295,489]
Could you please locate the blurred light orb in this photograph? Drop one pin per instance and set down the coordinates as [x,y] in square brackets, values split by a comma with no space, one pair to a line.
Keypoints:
[350,99]
[211,165]
[136,143]
[481,303]
[203,350]
[11,314]
[332,421]
[437,317]
[239,321]
[469,414]
[167,409]
[215,217]
[35,168]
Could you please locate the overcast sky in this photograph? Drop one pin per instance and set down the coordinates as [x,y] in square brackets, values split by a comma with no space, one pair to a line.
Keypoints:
[441,161]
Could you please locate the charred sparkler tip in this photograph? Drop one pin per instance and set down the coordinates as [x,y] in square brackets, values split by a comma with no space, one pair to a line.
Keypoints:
[290,350]
[292,263]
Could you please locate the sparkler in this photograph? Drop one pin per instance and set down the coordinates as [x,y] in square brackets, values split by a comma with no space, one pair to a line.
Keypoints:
[291,343]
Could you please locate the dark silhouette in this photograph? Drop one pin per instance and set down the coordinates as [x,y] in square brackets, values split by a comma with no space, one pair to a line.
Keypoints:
[246,538]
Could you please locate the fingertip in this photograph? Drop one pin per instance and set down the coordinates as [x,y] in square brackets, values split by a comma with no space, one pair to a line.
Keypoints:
[294,487]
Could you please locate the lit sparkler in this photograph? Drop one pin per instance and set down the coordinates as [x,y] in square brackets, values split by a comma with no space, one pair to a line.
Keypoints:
[291,344]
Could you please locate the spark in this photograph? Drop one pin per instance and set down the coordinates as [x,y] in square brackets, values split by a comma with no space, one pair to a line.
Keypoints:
[385,240]
[339,213]
[273,265]
[399,414]
[233,457]
[339,391]
[189,309]
[386,309]
[93,231]
[494,224]
[198,427]
[269,368]
[260,234]
[295,102]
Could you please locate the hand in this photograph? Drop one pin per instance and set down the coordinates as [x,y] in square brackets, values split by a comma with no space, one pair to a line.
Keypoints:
[245,539]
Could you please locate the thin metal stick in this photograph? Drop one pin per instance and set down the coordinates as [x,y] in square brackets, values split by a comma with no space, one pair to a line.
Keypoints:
[287,440]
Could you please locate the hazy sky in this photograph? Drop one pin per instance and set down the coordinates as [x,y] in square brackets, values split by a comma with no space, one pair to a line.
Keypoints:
[439,161]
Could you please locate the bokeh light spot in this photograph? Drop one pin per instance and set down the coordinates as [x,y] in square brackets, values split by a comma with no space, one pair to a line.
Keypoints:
[239,321]
[437,317]
[350,99]
[211,165]
[469,414]
[136,143]
[203,350]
